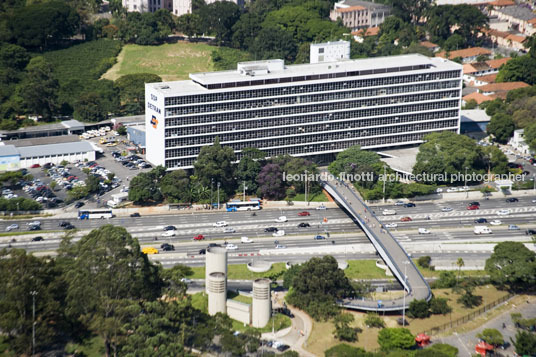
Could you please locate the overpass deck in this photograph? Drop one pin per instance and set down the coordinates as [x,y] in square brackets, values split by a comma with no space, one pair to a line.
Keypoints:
[387,246]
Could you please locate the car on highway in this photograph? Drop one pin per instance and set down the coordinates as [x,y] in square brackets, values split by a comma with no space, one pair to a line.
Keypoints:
[391,225]
[245,240]
[405,219]
[482,230]
[446,209]
[304,225]
[474,203]
[170,228]
[400,203]
[149,250]
[169,234]
[503,212]
[321,207]
[530,231]
[409,204]
[279,233]
[167,247]
[64,224]
[496,222]
[199,237]
[78,204]
[512,199]
[186,280]
[304,214]
[281,219]
[319,237]
[439,190]
[231,247]
[69,227]
[34,228]
[452,189]
[34,223]
[473,207]
[135,214]
[12,227]
[388,212]
[220,224]
[481,220]
[37,239]
[270,229]
[229,230]
[513,227]
[280,246]
[424,231]
[202,251]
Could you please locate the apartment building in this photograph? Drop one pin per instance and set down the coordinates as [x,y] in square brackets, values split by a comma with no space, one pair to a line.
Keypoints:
[176,7]
[357,14]
[303,110]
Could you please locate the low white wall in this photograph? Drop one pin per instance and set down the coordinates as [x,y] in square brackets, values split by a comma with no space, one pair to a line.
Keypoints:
[239,311]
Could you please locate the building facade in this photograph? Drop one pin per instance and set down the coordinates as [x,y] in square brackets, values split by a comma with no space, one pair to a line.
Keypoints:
[303,110]
[329,51]
[357,14]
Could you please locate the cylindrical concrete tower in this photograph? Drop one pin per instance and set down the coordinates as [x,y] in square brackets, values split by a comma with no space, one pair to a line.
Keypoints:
[215,261]
[261,308]
[217,293]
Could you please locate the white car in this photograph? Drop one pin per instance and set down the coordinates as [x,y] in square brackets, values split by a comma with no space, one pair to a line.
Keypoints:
[12,227]
[231,247]
[452,189]
[281,219]
[391,225]
[186,280]
[245,240]
[280,246]
[229,230]
[503,212]
[496,222]
[439,190]
[34,223]
[399,203]
[279,233]
[424,231]
[220,224]
[446,209]
[321,207]
[169,234]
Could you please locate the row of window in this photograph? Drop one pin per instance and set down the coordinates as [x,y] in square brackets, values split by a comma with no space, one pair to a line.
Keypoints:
[317,87]
[321,147]
[189,148]
[310,98]
[52,156]
[328,108]
[307,120]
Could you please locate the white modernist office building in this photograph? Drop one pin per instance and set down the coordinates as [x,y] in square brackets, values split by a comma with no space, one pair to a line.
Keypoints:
[303,110]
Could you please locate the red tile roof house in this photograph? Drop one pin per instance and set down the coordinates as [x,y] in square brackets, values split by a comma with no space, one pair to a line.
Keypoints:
[467,55]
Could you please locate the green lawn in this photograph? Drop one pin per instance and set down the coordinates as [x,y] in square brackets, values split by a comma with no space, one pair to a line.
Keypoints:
[170,61]
[279,321]
[200,301]
[319,197]
[240,271]
[240,298]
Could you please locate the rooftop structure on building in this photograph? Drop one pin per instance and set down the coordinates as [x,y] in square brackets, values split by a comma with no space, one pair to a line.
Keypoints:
[306,110]
[329,51]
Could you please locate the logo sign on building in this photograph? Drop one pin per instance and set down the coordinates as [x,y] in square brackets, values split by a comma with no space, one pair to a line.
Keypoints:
[154,122]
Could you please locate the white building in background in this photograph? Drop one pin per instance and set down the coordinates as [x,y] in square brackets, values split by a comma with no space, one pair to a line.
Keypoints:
[329,51]
[181,7]
[303,110]
[176,7]
[518,142]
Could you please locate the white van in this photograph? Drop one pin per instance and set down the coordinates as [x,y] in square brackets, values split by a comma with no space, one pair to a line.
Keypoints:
[482,230]
[389,212]
[245,240]
[279,233]
[424,231]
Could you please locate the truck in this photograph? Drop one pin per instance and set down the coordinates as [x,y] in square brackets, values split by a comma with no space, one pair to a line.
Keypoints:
[482,230]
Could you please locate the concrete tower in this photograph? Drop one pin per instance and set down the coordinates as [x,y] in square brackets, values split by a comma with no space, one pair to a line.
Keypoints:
[217,293]
[261,308]
[215,261]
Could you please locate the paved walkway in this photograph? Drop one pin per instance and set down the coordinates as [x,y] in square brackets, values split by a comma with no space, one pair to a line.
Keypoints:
[466,342]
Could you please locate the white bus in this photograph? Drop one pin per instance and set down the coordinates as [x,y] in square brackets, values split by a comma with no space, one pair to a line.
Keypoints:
[243,206]
[95,213]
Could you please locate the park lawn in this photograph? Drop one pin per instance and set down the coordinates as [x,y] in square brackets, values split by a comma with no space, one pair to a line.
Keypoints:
[319,197]
[169,61]
[279,322]
[321,337]
[239,298]
[200,301]
[240,272]
[364,269]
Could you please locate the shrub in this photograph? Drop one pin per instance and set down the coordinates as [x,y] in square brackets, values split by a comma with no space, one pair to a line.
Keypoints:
[447,279]
[469,300]
[425,261]
[393,338]
[419,309]
[374,320]
[439,306]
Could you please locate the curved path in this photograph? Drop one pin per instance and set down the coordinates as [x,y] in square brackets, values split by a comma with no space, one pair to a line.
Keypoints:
[389,249]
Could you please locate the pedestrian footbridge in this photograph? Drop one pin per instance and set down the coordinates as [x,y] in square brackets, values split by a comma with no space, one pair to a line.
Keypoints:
[389,249]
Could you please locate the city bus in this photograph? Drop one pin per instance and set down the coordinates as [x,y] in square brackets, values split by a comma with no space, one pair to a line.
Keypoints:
[95,213]
[243,206]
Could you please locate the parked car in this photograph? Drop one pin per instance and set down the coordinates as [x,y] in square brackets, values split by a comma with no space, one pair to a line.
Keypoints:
[304,214]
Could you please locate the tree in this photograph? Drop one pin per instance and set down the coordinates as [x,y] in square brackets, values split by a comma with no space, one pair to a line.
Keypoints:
[447,279]
[491,336]
[512,265]
[501,126]
[104,270]
[468,299]
[144,189]
[274,42]
[77,193]
[246,29]
[131,89]
[392,338]
[495,160]
[343,331]
[189,25]
[121,130]
[344,350]
[89,108]
[215,164]
[468,20]
[175,187]
[219,18]
[522,68]
[419,309]
[39,88]
[530,136]
[439,306]
[525,343]
[374,320]
[454,42]
[471,104]
[443,348]
[270,181]
[92,184]
[460,263]
[249,168]
[351,159]
[424,261]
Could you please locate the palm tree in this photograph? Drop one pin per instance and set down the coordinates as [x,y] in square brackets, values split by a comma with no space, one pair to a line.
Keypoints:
[460,263]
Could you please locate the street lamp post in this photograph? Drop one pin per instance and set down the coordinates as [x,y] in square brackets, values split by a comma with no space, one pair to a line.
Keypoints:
[33,293]
[245,188]
[384,179]
[306,188]
[218,195]
[465,185]
[404,302]
[211,190]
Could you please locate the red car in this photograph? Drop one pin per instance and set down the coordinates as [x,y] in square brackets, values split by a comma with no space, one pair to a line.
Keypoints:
[304,213]
[34,166]
[199,237]
[472,207]
[405,219]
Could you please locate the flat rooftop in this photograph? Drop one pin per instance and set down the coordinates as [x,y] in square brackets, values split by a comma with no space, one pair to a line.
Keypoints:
[274,69]
[402,159]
